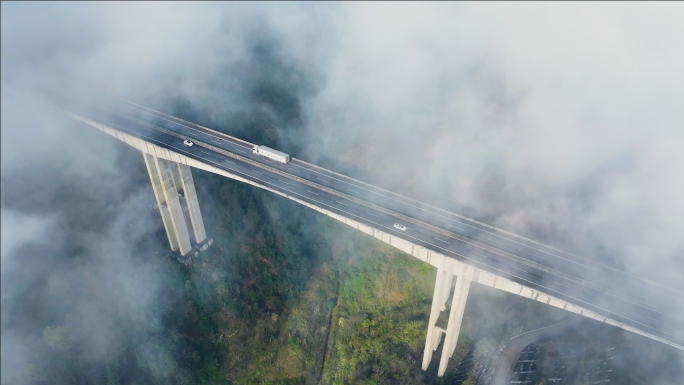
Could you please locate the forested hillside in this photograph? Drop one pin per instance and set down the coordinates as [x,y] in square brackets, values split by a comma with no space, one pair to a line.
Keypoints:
[284,296]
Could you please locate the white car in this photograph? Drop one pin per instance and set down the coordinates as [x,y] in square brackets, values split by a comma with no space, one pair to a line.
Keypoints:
[188,143]
[400,226]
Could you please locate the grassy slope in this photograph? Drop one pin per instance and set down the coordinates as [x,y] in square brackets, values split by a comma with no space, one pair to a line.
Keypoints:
[284,296]
[302,298]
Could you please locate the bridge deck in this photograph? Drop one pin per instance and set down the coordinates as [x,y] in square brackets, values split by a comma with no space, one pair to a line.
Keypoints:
[546,273]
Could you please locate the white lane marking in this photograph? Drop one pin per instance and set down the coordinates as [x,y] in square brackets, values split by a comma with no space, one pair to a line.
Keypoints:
[312,193]
[446,217]
[215,141]
[441,240]
[182,123]
[481,255]
[520,243]
[494,241]
[487,257]
[463,256]
[513,275]
[176,121]
[185,125]
[181,149]
[535,255]
[373,215]
[385,199]
[456,227]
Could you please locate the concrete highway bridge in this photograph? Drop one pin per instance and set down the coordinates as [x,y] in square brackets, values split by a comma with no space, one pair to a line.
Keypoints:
[463,250]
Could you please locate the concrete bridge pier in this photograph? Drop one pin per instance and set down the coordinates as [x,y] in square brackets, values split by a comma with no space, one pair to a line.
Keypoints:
[443,285]
[170,182]
[190,195]
[159,160]
[439,298]
[458,304]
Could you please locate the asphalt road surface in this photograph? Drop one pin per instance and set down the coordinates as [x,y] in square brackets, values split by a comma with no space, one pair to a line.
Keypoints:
[644,305]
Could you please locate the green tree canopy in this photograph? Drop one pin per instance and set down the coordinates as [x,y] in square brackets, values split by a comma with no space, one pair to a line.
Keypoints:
[57,337]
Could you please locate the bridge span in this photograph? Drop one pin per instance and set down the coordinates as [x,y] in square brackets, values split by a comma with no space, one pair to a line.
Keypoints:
[462,250]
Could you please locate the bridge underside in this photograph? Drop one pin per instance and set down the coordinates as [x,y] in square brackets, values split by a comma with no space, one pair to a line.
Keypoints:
[174,190]
[447,268]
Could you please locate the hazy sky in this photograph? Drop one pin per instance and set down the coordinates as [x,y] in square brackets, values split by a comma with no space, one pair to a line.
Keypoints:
[560,121]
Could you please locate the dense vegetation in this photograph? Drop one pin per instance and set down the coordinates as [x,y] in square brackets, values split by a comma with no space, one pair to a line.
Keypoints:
[284,296]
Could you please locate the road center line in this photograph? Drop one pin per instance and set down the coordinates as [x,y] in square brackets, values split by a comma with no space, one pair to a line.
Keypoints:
[535,284]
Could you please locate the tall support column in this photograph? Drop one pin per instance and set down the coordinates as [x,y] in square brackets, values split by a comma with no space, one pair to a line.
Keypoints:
[458,304]
[163,206]
[171,194]
[439,298]
[162,176]
[447,290]
[188,185]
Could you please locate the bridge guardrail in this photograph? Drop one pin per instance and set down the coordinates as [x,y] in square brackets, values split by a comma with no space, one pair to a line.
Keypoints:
[371,205]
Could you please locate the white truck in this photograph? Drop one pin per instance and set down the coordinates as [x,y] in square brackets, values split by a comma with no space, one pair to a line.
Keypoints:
[271,154]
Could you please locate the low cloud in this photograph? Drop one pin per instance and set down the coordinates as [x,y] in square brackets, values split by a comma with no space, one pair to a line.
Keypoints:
[561,122]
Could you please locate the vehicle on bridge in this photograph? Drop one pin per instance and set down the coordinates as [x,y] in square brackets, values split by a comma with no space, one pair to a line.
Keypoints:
[271,154]
[187,143]
[400,226]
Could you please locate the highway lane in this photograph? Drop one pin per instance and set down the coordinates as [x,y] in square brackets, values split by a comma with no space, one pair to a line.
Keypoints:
[463,226]
[326,177]
[528,249]
[530,276]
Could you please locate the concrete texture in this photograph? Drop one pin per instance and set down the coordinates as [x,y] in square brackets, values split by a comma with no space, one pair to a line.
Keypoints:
[439,297]
[440,261]
[455,319]
[188,185]
[170,191]
[168,179]
[155,178]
